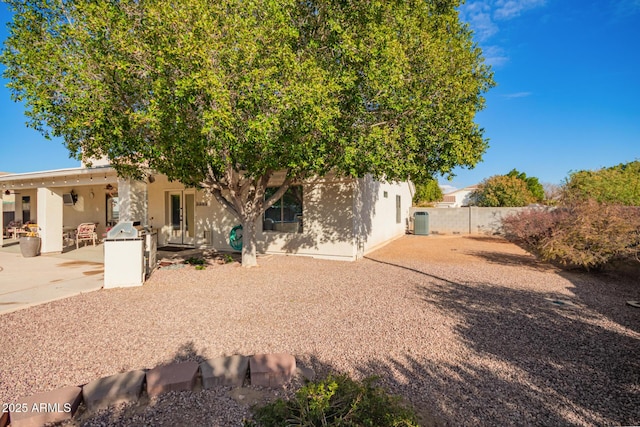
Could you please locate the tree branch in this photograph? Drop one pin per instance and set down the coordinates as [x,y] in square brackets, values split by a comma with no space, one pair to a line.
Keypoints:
[277,195]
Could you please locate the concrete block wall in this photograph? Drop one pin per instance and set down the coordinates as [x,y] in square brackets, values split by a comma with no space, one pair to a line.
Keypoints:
[467,220]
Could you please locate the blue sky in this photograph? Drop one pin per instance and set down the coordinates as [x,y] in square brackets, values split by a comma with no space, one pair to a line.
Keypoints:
[568,93]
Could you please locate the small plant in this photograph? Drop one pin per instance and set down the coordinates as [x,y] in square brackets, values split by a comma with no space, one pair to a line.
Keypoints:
[200,267]
[195,261]
[336,401]
[228,258]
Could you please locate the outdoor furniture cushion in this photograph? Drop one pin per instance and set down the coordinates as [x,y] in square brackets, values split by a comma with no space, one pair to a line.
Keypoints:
[86,231]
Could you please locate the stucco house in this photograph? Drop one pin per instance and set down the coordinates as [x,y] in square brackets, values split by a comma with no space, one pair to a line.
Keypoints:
[331,217]
[458,198]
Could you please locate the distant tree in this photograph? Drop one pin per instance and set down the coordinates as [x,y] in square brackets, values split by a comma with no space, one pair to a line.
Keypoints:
[552,193]
[427,192]
[503,191]
[221,95]
[618,184]
[533,184]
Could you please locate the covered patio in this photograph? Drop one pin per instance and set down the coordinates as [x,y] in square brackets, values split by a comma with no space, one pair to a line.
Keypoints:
[58,202]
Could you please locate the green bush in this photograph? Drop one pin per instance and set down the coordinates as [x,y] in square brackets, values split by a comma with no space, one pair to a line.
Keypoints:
[614,185]
[194,261]
[533,184]
[503,191]
[337,401]
[427,193]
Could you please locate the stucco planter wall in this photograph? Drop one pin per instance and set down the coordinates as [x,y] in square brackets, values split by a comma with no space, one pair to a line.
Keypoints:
[30,246]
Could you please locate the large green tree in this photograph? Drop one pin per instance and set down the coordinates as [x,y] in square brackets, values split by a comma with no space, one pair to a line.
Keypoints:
[221,94]
[427,192]
[503,191]
[618,184]
[533,184]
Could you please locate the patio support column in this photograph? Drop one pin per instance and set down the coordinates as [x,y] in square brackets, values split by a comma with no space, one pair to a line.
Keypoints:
[133,201]
[17,203]
[50,219]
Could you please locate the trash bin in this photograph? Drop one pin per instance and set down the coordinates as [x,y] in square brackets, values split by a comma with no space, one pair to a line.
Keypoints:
[421,223]
[124,255]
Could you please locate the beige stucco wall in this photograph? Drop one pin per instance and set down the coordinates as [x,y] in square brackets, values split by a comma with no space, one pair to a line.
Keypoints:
[86,208]
[33,200]
[375,222]
[327,217]
[327,223]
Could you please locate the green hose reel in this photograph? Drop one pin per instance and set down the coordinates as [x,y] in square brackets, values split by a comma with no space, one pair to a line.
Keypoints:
[235,238]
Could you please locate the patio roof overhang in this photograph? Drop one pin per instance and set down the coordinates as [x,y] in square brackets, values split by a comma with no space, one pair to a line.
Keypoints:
[59,178]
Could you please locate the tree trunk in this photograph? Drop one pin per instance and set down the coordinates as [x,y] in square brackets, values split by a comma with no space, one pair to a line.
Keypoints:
[249,243]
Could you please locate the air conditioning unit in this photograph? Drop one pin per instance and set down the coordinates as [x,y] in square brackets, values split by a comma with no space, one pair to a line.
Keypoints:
[69,199]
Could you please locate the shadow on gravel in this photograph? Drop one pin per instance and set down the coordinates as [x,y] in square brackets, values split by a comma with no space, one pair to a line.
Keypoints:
[606,292]
[540,361]
[512,260]
[568,367]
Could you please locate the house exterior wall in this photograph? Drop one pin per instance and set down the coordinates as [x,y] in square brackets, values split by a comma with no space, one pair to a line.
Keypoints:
[459,198]
[327,224]
[49,219]
[327,221]
[86,208]
[376,217]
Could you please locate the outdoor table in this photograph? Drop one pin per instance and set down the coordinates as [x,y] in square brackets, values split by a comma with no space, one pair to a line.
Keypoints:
[15,232]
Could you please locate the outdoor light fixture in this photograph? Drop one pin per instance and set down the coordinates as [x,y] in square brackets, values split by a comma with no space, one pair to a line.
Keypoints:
[7,192]
[109,187]
[151,179]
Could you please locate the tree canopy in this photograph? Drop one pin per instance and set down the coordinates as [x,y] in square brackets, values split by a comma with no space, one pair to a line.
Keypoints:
[427,192]
[222,94]
[618,184]
[533,184]
[503,191]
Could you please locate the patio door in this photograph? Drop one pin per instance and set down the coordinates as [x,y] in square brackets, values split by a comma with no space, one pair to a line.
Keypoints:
[180,217]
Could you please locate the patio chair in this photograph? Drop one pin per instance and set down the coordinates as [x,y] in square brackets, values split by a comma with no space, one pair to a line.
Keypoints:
[85,232]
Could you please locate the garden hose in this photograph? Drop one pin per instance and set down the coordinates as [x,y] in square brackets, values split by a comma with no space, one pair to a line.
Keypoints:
[235,238]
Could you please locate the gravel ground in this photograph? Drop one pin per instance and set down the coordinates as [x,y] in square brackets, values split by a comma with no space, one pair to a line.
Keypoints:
[465,328]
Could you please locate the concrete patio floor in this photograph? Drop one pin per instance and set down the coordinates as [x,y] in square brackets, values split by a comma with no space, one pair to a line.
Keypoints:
[25,282]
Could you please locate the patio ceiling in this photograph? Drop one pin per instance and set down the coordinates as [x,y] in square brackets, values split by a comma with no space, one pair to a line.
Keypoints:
[59,178]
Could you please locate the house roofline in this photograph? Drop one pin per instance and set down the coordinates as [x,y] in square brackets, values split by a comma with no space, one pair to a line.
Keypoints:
[55,173]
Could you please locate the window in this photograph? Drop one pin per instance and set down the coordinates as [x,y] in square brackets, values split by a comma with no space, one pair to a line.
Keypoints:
[113,210]
[26,208]
[284,215]
[398,210]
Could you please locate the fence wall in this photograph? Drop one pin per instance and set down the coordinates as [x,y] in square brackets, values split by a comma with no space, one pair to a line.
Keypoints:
[467,220]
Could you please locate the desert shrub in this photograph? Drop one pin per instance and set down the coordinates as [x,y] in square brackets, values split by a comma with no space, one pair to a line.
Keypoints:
[587,234]
[337,401]
[531,227]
